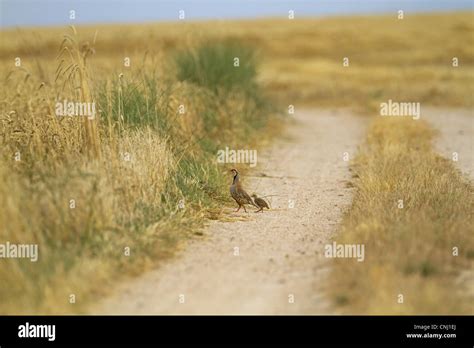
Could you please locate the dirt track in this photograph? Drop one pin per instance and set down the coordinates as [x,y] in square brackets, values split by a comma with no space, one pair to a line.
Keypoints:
[456,134]
[280,252]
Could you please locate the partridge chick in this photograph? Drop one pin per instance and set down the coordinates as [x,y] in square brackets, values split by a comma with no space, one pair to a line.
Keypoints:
[260,202]
[238,193]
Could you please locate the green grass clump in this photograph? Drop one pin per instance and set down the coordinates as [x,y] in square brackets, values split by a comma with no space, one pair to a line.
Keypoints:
[136,103]
[211,65]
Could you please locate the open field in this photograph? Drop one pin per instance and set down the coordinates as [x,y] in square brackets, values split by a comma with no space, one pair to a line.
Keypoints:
[142,175]
[301,61]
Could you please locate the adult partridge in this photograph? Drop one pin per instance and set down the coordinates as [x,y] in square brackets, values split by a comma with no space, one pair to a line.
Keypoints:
[238,193]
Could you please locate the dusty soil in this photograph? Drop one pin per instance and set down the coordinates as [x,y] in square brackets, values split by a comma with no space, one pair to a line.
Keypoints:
[264,263]
[455,134]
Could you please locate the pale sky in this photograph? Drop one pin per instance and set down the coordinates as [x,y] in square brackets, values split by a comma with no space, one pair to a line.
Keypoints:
[18,13]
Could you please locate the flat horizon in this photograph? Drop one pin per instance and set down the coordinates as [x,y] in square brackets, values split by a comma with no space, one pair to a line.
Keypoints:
[27,13]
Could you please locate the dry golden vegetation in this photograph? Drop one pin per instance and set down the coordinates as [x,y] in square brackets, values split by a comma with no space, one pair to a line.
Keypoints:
[128,169]
[112,195]
[422,247]
[409,251]
[300,61]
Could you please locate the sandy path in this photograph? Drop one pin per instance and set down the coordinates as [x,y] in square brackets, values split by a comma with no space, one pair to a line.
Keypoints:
[456,134]
[280,252]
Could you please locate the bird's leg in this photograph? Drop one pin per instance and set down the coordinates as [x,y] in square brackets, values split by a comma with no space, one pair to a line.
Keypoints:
[259,210]
[244,208]
[238,208]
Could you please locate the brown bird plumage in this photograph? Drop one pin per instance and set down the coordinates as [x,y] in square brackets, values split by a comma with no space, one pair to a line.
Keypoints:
[260,202]
[238,193]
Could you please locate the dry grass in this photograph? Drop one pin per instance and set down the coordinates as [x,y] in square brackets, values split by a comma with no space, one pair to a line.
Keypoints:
[301,60]
[85,189]
[408,251]
[389,58]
